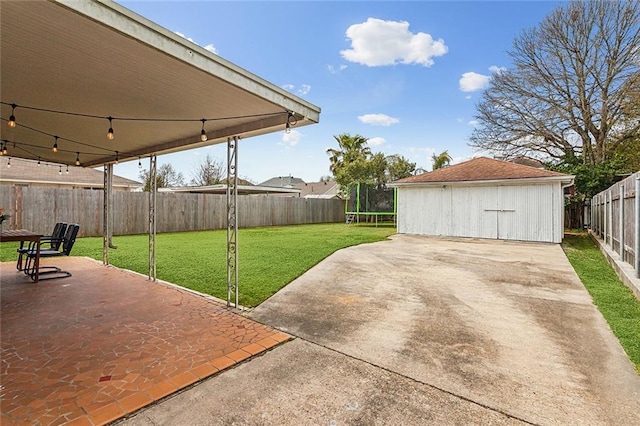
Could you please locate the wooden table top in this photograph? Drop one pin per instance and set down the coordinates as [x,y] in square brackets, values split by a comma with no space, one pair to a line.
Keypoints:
[19,235]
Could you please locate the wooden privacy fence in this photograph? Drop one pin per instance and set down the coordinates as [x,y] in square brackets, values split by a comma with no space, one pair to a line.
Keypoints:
[38,208]
[615,217]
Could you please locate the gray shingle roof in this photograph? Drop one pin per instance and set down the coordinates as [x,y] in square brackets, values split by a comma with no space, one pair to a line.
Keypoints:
[28,171]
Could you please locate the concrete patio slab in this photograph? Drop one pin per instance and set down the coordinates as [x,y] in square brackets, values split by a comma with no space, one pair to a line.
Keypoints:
[103,343]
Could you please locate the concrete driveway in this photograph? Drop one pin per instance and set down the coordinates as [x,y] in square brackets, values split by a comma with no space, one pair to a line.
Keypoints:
[423,330]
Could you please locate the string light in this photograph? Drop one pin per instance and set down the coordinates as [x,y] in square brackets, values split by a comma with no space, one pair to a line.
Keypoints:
[203,134]
[38,161]
[67,169]
[60,170]
[9,163]
[12,118]
[291,121]
[110,135]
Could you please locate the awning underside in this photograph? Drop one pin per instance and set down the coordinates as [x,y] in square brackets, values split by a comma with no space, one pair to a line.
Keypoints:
[98,58]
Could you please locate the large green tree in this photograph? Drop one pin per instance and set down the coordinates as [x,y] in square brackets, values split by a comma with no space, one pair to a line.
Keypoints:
[565,95]
[350,161]
[399,167]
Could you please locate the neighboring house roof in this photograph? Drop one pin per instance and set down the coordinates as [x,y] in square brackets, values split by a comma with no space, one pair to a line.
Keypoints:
[482,169]
[318,189]
[28,172]
[221,188]
[527,161]
[282,182]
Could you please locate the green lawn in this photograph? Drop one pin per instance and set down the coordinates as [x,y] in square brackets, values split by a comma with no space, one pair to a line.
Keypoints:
[617,303]
[269,258]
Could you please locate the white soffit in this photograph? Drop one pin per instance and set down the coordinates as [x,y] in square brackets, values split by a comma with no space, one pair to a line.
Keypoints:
[99,58]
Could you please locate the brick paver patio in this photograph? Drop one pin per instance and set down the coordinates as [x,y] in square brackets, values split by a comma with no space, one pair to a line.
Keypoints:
[89,349]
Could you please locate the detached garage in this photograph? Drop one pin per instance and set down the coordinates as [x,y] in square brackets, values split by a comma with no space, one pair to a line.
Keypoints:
[484,198]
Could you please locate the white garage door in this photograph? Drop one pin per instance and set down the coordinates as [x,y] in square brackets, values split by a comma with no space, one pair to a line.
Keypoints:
[524,212]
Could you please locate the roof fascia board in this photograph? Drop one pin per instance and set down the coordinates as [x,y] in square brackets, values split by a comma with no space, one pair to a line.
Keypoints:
[121,19]
[568,179]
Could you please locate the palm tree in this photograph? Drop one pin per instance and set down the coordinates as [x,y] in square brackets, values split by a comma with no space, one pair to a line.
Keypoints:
[441,160]
[351,149]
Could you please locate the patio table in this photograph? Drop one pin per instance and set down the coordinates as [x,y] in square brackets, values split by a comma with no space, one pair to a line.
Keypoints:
[23,235]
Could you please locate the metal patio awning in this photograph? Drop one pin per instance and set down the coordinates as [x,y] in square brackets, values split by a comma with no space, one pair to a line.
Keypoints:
[100,59]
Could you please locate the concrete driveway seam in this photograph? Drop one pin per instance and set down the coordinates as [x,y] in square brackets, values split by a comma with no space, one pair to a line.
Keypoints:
[395,373]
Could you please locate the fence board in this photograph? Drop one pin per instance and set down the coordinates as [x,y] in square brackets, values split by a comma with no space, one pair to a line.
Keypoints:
[605,218]
[38,208]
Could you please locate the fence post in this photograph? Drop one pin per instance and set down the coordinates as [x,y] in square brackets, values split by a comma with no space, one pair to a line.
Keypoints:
[611,219]
[637,225]
[621,224]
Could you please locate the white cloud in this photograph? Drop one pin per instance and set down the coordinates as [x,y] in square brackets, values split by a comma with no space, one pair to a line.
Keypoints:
[336,70]
[471,81]
[185,37]
[473,123]
[468,97]
[211,48]
[291,139]
[378,119]
[303,90]
[377,42]
[377,141]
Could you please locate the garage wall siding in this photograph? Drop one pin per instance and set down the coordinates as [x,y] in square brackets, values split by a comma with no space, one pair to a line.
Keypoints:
[511,212]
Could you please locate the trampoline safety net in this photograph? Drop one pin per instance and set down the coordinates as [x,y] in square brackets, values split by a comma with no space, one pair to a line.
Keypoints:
[367,199]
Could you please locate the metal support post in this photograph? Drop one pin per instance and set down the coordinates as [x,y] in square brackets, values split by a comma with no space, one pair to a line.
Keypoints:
[153,191]
[232,224]
[106,186]
[107,211]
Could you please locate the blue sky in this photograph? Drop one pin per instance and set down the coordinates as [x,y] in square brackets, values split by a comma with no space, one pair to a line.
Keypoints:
[406,75]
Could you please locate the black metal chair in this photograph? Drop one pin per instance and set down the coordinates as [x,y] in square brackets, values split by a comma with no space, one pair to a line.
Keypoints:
[54,240]
[66,243]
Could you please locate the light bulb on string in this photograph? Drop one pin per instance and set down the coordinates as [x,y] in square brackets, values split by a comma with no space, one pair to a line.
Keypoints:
[60,170]
[67,169]
[12,118]
[77,158]
[110,134]
[4,148]
[9,163]
[139,163]
[203,134]
[38,161]
[117,157]
[291,121]
[55,145]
